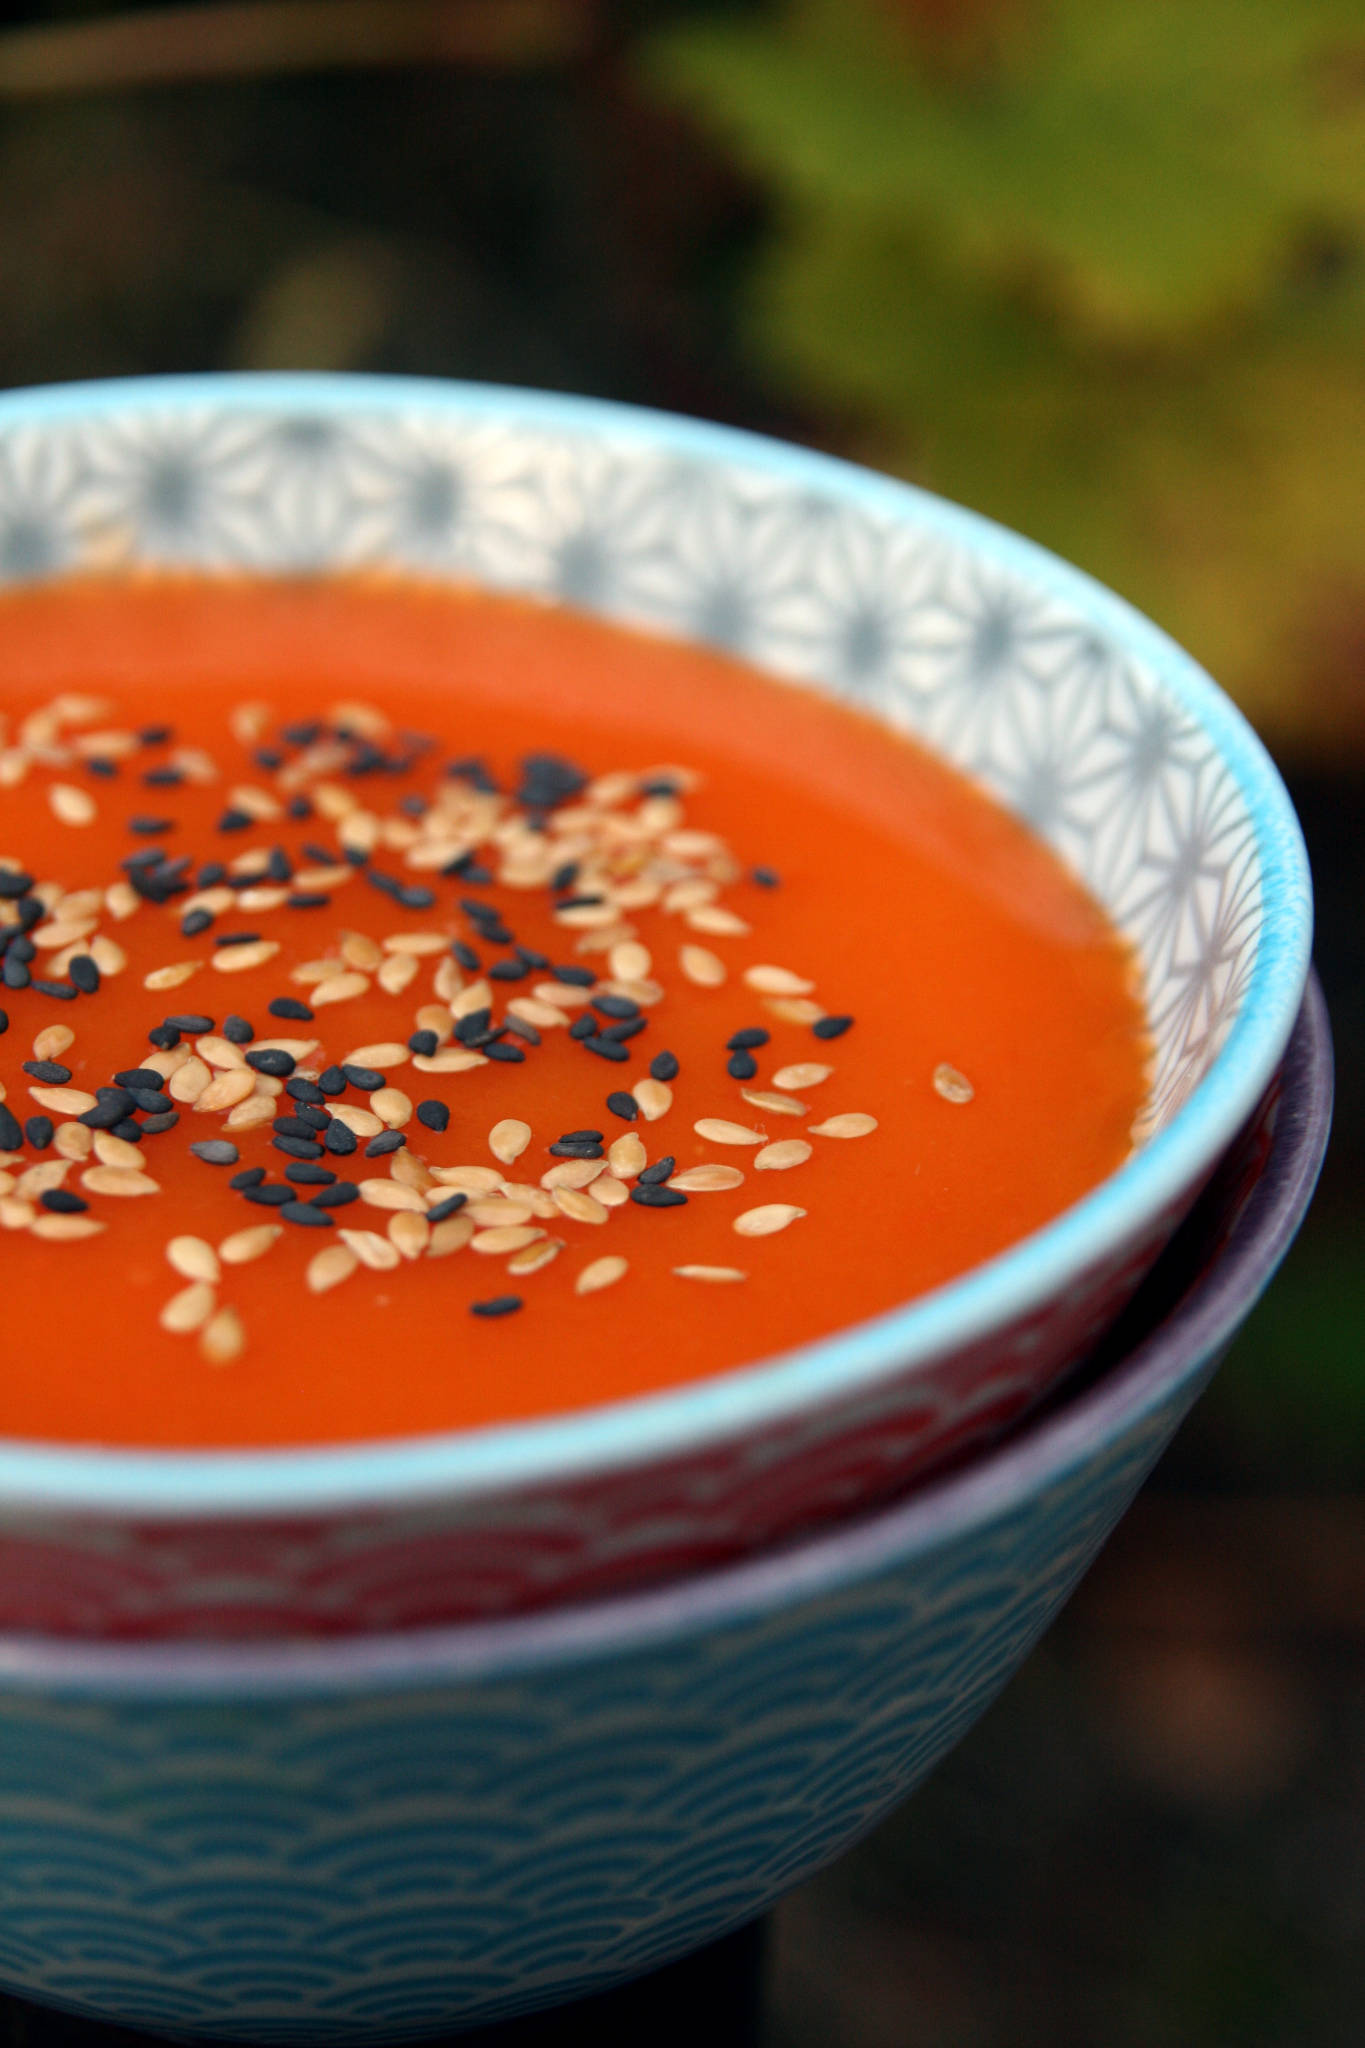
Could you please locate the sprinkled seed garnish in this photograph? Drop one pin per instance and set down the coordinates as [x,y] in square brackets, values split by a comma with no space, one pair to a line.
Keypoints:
[394,1108]
[388,1053]
[653,1098]
[410,1233]
[775,1104]
[804,1074]
[952,1085]
[225,1090]
[533,1256]
[767,1219]
[785,1153]
[244,1246]
[706,1180]
[626,1155]
[831,1027]
[389,1194]
[112,1151]
[451,1234]
[610,1192]
[717,1130]
[601,1273]
[499,1238]
[52,1041]
[580,1206]
[499,1305]
[573,1173]
[852,1124]
[793,1009]
[329,1267]
[716,1275]
[777,981]
[194,1259]
[189,1310]
[496,1209]
[508,1139]
[714,919]
[71,805]
[117,1180]
[222,1338]
[172,976]
[704,968]
[63,1101]
[336,988]
[374,1251]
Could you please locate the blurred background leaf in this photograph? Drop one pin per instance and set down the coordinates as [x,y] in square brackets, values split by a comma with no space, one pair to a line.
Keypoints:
[1097,269]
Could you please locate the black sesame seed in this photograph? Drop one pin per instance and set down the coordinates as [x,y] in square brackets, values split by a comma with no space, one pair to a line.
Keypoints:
[235,821]
[497,1305]
[312,1119]
[139,1077]
[279,867]
[472,1025]
[831,1027]
[445,1208]
[237,939]
[47,1070]
[584,1026]
[152,1126]
[576,1148]
[291,1007]
[307,899]
[767,878]
[298,1148]
[741,1066]
[306,1212]
[339,1139]
[624,1105]
[576,977]
[130,1130]
[508,970]
[62,990]
[150,828]
[163,1036]
[387,1141]
[215,1151]
[540,961]
[14,882]
[156,735]
[367,1079]
[303,1090]
[63,1201]
[629,1027]
[651,1197]
[269,1194]
[4,1022]
[271,1060]
[105,1115]
[38,1130]
[435,1115]
[11,1136]
[249,1177]
[191,1020]
[292,1127]
[423,1042]
[211,874]
[607,1049]
[151,1100]
[523,1030]
[16,974]
[511,1055]
[335,1196]
[564,877]
[305,1174]
[578,1137]
[746,1040]
[194,922]
[654,1176]
[99,765]
[465,957]
[615,1006]
[332,1081]
[664,1066]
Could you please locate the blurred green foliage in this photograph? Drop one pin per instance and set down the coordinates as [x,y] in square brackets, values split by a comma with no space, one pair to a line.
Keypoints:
[1095,267]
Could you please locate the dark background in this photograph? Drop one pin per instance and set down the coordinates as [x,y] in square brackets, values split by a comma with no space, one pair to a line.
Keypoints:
[1099,270]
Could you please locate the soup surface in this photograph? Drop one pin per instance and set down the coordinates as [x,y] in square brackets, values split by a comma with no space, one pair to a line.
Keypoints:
[832,1027]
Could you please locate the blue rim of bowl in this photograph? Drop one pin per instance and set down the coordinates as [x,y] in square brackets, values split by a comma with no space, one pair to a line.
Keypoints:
[1173,1353]
[647,1429]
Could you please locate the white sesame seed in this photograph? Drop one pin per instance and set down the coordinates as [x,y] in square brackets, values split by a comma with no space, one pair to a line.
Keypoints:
[804,1074]
[704,968]
[601,1273]
[717,1130]
[508,1139]
[193,1258]
[952,1085]
[240,960]
[245,1246]
[653,1098]
[707,1180]
[71,805]
[372,1250]
[767,1219]
[174,975]
[222,1338]
[712,1274]
[775,1104]
[188,1310]
[777,981]
[786,1153]
[852,1124]
[329,1267]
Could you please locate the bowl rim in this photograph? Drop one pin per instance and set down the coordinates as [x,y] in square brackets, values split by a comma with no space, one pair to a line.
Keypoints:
[194,1486]
[987,1489]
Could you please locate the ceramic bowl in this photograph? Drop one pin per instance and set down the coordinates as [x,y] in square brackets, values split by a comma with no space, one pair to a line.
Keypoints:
[1075,712]
[390,1836]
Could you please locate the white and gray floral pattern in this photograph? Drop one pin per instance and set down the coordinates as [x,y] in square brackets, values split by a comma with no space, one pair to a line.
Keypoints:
[958,650]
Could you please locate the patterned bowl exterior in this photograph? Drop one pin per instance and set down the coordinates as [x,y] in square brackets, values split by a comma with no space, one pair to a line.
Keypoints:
[1073,711]
[397,1836]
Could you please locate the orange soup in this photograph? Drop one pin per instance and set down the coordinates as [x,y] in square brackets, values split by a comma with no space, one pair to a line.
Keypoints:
[426,1009]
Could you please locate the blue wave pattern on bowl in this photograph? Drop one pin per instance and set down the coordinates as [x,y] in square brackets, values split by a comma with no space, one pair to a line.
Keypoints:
[400,1835]
[901,609]
[390,1863]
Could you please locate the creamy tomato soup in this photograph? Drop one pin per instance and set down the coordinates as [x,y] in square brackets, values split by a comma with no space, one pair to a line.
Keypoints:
[427,1009]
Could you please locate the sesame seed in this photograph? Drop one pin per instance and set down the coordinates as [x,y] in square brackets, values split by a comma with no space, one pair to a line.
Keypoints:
[497,1305]
[803,1074]
[831,1027]
[702,1180]
[785,1153]
[250,1177]
[215,1151]
[853,1124]
[329,1267]
[741,1066]
[435,1115]
[188,1310]
[767,1219]
[601,1273]
[243,1247]
[718,1130]
[655,1098]
[290,1007]
[775,1103]
[712,1275]
[705,969]
[952,1085]
[623,1104]
[653,1176]
[222,1338]
[508,1139]
[664,1066]
[306,1213]
[654,1197]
